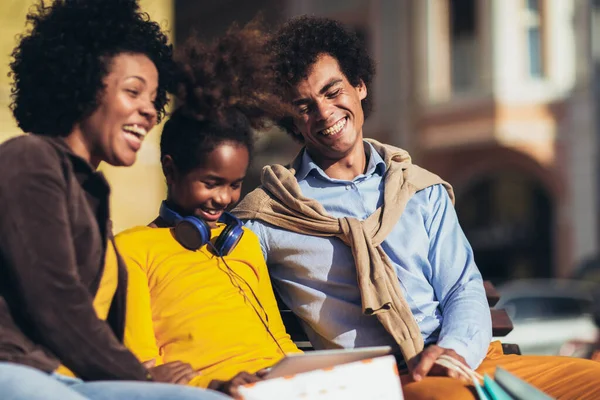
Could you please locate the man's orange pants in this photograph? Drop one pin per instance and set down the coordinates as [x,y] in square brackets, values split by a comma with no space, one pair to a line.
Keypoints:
[559,377]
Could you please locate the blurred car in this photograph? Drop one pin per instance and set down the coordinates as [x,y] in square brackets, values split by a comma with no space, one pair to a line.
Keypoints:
[547,313]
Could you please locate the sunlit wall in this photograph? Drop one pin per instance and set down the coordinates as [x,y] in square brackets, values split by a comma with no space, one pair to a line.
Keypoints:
[136,191]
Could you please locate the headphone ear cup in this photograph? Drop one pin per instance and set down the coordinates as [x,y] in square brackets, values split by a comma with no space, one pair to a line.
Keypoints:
[228,239]
[192,233]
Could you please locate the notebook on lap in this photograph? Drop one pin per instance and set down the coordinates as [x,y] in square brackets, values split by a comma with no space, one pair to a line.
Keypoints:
[303,362]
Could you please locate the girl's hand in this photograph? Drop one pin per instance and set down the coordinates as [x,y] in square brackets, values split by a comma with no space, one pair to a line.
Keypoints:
[231,386]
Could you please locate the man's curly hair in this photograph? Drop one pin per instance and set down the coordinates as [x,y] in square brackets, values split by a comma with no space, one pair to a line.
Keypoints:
[227,89]
[59,65]
[299,43]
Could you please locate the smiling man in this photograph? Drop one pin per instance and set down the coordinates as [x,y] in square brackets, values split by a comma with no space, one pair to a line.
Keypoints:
[364,246]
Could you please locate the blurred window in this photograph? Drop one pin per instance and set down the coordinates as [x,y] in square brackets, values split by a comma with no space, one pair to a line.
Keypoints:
[534,33]
[596,59]
[539,308]
[463,45]
[596,42]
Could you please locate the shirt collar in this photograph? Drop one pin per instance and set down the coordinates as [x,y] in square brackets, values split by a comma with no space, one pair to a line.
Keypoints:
[88,177]
[375,164]
[79,163]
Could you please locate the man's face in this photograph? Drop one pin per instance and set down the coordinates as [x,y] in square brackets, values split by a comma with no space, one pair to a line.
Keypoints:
[331,114]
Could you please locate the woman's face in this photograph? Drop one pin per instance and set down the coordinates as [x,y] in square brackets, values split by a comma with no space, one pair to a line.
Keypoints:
[214,187]
[114,132]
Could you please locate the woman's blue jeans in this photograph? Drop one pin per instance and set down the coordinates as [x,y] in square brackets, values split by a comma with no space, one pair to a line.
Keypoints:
[18,382]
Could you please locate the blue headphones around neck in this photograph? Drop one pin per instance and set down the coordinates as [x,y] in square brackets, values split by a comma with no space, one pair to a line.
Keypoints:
[193,232]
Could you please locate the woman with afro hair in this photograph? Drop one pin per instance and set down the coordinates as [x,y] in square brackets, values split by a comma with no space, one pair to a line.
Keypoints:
[199,287]
[90,80]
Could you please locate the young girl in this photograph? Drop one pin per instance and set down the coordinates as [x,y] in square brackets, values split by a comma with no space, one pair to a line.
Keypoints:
[199,287]
[90,82]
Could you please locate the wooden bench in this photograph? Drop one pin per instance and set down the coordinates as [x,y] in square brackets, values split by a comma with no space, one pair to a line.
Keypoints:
[501,323]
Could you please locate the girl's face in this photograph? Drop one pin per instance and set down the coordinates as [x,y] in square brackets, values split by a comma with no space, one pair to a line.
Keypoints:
[214,187]
[125,114]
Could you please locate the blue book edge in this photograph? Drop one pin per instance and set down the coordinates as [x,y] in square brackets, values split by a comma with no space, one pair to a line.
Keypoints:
[481,392]
[496,391]
[518,388]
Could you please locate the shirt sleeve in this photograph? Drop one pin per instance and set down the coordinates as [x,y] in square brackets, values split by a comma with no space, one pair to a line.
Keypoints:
[259,230]
[139,327]
[41,266]
[267,298]
[458,285]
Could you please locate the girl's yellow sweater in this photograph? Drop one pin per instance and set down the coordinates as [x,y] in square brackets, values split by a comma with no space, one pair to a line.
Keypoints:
[186,305]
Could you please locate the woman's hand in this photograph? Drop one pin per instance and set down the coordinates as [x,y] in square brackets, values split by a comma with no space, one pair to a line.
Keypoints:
[172,372]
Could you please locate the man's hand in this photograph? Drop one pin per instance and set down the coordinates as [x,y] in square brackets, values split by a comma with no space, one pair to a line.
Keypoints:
[172,372]
[424,364]
[230,387]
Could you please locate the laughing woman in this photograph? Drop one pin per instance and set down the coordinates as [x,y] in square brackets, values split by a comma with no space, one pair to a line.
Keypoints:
[90,81]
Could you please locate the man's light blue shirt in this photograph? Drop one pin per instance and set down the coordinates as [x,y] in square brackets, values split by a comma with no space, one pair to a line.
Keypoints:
[316,276]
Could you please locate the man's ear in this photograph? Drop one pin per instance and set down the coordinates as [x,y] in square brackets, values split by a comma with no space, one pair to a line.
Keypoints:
[362,90]
[289,123]
[169,169]
[296,132]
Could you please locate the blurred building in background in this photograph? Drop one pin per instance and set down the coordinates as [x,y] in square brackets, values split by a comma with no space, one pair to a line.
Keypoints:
[506,113]
[499,97]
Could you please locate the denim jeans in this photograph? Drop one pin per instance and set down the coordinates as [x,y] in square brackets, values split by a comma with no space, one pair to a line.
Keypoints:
[18,382]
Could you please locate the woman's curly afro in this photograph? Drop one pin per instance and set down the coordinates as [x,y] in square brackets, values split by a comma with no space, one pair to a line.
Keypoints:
[298,44]
[59,65]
